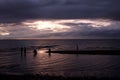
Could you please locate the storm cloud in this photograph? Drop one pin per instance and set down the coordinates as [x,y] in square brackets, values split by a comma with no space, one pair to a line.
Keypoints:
[16,11]
[59,18]
[72,28]
[89,30]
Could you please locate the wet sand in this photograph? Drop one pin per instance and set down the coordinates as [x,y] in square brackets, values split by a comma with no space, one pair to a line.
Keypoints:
[89,52]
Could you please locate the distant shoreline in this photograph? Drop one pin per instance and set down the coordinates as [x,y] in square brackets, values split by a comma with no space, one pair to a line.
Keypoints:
[63,39]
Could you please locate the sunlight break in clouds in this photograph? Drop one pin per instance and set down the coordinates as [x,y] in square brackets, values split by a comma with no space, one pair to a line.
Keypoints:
[3,32]
[62,28]
[53,26]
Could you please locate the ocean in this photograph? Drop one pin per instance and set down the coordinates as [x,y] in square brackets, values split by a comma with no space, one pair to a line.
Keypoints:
[12,60]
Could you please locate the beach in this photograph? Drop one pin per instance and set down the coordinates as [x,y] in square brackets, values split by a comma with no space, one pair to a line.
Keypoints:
[59,59]
[47,77]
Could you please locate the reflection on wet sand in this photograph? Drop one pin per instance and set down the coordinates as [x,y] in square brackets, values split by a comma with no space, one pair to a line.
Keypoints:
[40,60]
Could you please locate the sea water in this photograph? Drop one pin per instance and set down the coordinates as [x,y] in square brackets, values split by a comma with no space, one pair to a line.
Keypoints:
[12,62]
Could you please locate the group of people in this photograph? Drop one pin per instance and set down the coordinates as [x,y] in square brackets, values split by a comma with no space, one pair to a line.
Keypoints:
[24,51]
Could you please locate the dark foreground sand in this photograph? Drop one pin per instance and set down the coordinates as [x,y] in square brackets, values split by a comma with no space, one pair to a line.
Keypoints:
[47,77]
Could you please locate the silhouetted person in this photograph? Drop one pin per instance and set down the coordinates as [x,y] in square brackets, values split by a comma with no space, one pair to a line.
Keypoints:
[77,47]
[21,51]
[35,52]
[49,52]
[24,51]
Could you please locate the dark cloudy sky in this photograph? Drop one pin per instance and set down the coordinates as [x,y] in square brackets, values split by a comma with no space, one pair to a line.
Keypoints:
[59,19]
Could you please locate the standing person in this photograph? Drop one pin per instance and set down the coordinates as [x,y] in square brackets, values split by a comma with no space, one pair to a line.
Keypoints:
[21,51]
[77,47]
[24,51]
[49,51]
[35,52]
